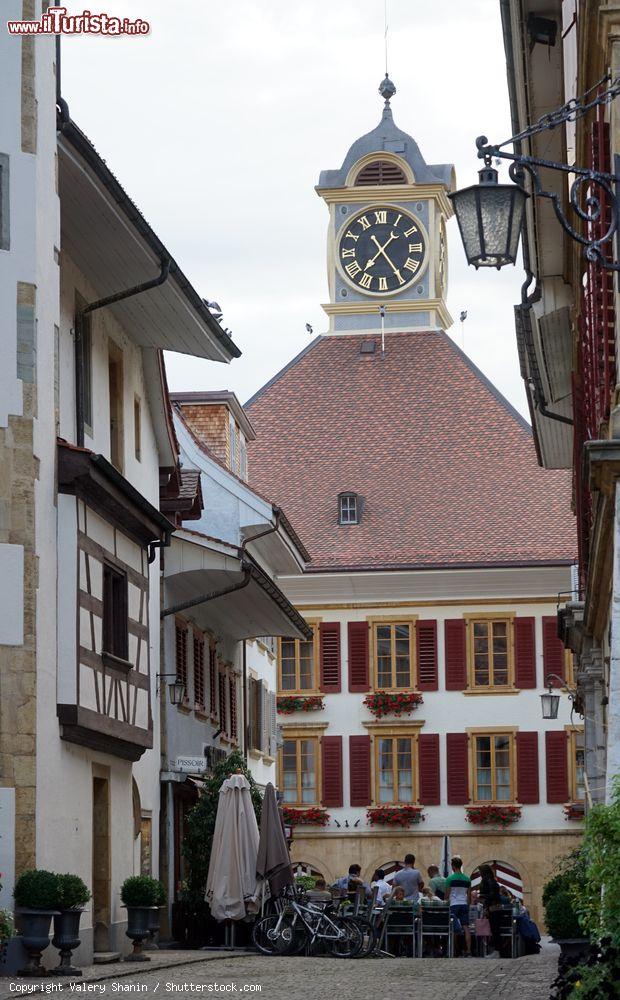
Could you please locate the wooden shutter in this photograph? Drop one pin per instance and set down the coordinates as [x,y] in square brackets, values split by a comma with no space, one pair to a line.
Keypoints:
[213,708]
[527,768]
[428,769]
[332,771]
[457,769]
[232,697]
[358,657]
[556,746]
[329,634]
[553,650]
[273,724]
[181,654]
[525,653]
[426,645]
[456,656]
[199,670]
[359,770]
[264,717]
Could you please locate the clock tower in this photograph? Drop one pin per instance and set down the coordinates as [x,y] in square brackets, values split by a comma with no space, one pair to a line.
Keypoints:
[387,233]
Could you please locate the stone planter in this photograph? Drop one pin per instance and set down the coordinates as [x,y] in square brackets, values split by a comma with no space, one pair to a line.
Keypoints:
[34,927]
[151,944]
[573,947]
[66,939]
[138,921]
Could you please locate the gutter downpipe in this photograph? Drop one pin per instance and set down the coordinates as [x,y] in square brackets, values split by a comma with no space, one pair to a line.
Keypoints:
[211,595]
[108,300]
[526,300]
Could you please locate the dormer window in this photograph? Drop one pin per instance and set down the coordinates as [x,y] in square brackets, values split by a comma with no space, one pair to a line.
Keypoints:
[349,508]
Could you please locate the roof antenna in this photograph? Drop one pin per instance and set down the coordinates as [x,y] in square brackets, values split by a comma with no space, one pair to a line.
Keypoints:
[385,33]
[382,315]
[462,318]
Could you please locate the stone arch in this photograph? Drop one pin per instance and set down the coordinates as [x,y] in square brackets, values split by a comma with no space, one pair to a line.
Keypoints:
[509,859]
[320,863]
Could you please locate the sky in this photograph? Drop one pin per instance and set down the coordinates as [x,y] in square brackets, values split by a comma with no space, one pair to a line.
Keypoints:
[218,122]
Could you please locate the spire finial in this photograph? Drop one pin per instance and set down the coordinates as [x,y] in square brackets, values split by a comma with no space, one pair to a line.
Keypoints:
[387,90]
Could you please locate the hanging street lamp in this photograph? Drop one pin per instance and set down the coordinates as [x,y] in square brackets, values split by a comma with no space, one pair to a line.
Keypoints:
[490,215]
[550,702]
[176,688]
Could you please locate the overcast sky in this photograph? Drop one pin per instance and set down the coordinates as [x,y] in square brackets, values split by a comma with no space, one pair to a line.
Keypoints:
[218,122]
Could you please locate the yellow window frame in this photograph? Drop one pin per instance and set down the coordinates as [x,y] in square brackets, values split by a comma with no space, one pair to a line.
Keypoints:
[473,734]
[297,736]
[490,618]
[297,690]
[396,734]
[573,732]
[393,621]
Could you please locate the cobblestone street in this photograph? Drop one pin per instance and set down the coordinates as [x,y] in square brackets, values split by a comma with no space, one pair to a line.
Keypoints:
[322,978]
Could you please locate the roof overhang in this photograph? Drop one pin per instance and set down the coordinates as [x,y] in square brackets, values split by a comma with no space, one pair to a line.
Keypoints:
[115,248]
[196,566]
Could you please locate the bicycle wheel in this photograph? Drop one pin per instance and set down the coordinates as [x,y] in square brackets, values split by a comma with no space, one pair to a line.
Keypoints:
[369,937]
[274,935]
[350,943]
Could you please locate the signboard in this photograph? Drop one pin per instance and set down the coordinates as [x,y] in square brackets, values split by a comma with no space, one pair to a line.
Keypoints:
[191,765]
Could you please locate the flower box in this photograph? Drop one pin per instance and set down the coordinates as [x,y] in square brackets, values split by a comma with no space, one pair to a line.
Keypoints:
[493,815]
[395,815]
[305,817]
[392,703]
[300,703]
[575,810]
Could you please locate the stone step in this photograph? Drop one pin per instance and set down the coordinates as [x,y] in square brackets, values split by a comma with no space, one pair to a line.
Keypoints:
[106,957]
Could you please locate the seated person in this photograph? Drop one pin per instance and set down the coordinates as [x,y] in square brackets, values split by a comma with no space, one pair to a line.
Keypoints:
[350,882]
[383,887]
[428,897]
[320,893]
[436,882]
[398,896]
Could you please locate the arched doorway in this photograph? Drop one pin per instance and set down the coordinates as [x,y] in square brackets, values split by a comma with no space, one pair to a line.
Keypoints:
[390,868]
[306,868]
[506,876]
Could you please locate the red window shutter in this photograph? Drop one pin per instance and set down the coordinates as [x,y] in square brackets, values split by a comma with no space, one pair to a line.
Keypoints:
[525,653]
[329,633]
[553,650]
[458,769]
[358,657]
[527,768]
[359,769]
[456,656]
[332,771]
[181,654]
[426,640]
[428,768]
[556,745]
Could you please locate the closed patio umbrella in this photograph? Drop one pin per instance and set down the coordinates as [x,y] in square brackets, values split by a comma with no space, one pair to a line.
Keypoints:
[231,883]
[445,867]
[273,864]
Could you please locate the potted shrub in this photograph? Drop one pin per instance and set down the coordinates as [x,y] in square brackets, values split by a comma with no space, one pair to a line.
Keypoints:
[563,924]
[159,901]
[73,897]
[36,894]
[6,932]
[139,894]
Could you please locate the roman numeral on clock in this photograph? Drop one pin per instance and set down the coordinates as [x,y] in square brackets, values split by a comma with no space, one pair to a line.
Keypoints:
[353,268]
[366,281]
[415,248]
[351,235]
[348,253]
[410,232]
[364,223]
[380,218]
[411,265]
[383,285]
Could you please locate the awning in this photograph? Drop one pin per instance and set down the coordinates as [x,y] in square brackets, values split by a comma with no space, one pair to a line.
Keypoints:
[200,567]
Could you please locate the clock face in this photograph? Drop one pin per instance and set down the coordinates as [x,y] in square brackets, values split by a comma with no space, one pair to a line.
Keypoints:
[382,250]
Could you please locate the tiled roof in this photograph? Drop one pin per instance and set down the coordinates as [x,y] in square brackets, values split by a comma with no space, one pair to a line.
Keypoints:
[446,466]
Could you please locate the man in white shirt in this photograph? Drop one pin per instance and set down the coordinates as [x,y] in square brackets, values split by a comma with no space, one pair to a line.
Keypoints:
[383,887]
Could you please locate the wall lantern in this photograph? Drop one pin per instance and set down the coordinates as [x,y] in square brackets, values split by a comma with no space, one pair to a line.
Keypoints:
[490,216]
[176,688]
[551,702]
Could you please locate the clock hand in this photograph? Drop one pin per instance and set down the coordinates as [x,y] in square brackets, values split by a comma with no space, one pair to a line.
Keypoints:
[381,250]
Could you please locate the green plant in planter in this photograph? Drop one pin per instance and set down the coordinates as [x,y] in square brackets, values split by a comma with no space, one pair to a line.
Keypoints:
[201,823]
[159,894]
[305,881]
[6,926]
[73,892]
[140,890]
[561,917]
[37,889]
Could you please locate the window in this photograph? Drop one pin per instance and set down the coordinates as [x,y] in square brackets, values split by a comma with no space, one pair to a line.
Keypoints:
[180,655]
[394,769]
[5,233]
[243,457]
[256,714]
[137,427]
[493,767]
[348,508]
[490,653]
[380,172]
[199,671]
[222,713]
[115,382]
[299,778]
[297,665]
[393,644]
[87,360]
[577,762]
[232,437]
[115,613]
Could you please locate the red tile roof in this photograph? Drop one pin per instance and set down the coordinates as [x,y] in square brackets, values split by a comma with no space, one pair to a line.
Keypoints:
[446,466]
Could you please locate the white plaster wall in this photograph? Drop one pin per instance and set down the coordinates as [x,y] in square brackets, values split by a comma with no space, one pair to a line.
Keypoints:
[443,711]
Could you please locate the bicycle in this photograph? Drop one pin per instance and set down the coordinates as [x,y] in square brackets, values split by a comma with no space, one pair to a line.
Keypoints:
[301,925]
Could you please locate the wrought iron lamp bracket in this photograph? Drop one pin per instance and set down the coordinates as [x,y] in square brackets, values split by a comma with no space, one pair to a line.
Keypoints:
[523,164]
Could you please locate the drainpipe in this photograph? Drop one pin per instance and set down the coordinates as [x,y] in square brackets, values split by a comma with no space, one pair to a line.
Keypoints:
[212,595]
[261,534]
[108,300]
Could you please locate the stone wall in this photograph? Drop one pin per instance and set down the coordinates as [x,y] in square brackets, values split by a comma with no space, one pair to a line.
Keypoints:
[533,855]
